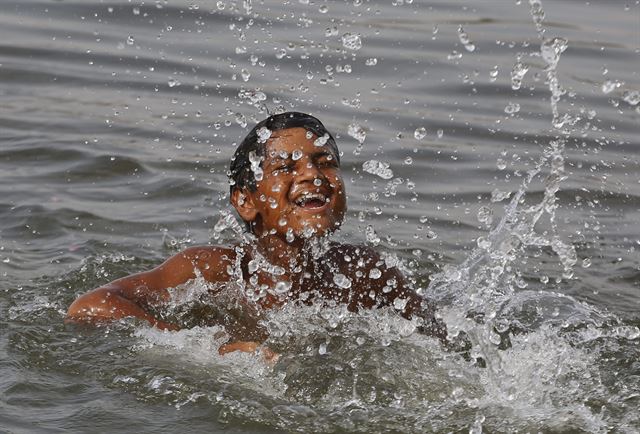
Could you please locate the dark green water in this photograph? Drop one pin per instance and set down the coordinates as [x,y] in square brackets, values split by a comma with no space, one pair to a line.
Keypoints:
[117,121]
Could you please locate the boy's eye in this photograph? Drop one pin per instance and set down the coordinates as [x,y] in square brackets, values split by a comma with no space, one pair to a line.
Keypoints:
[328,162]
[282,169]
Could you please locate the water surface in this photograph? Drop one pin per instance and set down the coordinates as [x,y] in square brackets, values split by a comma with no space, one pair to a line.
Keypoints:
[116,126]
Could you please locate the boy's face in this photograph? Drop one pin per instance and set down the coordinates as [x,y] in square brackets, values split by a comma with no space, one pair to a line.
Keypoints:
[301,190]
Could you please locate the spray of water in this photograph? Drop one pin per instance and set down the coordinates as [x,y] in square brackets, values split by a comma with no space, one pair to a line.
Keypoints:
[531,363]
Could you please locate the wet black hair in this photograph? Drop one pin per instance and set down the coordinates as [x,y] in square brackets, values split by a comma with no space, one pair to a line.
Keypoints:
[240,173]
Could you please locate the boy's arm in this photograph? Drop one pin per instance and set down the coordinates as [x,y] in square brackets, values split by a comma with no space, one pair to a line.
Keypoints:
[133,295]
[399,294]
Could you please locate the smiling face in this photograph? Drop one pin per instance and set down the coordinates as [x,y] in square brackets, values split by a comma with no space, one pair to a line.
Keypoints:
[301,190]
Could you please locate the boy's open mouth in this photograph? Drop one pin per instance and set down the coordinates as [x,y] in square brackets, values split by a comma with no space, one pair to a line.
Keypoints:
[311,200]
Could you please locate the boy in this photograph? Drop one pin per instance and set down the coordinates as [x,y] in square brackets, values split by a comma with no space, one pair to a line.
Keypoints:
[287,188]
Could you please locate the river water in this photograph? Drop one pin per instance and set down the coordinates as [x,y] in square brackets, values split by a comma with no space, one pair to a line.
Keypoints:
[511,132]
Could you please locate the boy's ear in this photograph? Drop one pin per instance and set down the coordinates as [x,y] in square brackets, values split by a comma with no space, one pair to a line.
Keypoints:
[243,202]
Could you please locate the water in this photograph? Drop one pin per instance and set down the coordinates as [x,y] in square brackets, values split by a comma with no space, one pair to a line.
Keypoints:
[513,182]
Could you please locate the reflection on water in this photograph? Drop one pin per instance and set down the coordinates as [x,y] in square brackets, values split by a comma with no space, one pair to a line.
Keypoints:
[490,145]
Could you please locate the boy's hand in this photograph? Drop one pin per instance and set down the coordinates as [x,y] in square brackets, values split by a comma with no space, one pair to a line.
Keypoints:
[250,347]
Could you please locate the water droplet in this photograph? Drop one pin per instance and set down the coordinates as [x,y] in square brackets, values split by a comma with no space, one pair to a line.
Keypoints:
[282,287]
[420,133]
[296,155]
[371,236]
[331,31]
[357,132]
[130,40]
[375,273]
[408,161]
[493,74]
[454,55]
[512,108]
[465,41]
[586,262]
[290,237]
[264,134]
[485,215]
[317,182]
[255,160]
[253,265]
[342,281]
[245,75]
[517,74]
[494,338]
[322,349]
[631,96]
[610,85]
[372,61]
[400,303]
[498,196]
[351,41]
[483,243]
[551,49]
[378,168]
[321,141]
[173,82]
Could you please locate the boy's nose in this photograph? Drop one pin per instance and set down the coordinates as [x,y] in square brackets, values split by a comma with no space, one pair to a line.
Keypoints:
[310,172]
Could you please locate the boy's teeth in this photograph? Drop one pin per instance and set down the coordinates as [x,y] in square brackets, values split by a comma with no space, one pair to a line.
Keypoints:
[307,197]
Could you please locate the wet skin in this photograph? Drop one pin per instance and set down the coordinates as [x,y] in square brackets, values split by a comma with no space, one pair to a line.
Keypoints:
[297,201]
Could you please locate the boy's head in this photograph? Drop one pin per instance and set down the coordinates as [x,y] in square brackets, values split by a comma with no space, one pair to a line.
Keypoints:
[285,178]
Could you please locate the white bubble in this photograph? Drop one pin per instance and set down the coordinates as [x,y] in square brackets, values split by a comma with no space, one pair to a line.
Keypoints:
[517,74]
[282,287]
[357,132]
[632,97]
[371,236]
[400,303]
[512,108]
[375,273]
[264,134]
[246,75]
[342,281]
[290,237]
[351,41]
[485,215]
[465,41]
[454,55]
[321,141]
[378,168]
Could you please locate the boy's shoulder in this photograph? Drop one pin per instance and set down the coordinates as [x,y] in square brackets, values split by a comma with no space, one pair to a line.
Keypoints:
[212,261]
